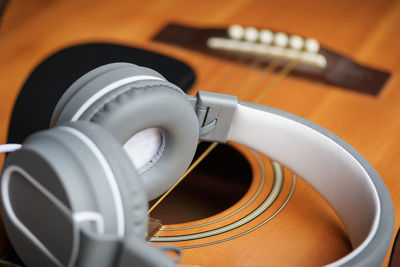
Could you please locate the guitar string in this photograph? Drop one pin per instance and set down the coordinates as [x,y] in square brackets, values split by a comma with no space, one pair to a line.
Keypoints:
[283,73]
[228,73]
[270,68]
[189,170]
[266,71]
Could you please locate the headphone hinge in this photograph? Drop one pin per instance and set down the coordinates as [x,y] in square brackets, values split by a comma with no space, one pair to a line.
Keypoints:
[214,112]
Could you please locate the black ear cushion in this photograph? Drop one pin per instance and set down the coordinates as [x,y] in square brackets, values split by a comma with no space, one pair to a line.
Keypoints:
[130,185]
[139,105]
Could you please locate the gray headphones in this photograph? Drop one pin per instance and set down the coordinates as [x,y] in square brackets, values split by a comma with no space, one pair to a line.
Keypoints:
[121,135]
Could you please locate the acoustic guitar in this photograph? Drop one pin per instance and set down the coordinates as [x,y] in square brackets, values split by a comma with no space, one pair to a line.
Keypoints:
[238,208]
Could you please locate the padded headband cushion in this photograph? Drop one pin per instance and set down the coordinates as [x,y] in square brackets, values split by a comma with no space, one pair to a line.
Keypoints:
[128,108]
[74,174]
[335,169]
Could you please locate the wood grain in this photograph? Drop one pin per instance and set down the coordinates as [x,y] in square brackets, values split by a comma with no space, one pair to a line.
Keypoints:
[368,31]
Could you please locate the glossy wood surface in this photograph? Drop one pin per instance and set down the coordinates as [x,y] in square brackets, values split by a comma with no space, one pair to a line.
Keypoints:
[306,232]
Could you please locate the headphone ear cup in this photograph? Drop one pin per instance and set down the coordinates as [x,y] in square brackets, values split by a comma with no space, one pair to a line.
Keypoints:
[65,178]
[128,182]
[136,106]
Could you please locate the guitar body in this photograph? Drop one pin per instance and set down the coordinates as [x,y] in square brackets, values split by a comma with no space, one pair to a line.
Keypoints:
[298,227]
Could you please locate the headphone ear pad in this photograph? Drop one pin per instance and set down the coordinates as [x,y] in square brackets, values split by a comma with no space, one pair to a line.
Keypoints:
[130,108]
[77,85]
[87,78]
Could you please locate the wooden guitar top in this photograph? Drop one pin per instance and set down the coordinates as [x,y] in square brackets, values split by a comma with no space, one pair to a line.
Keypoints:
[306,232]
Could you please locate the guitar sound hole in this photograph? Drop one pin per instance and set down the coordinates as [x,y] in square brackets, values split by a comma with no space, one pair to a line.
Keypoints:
[220,181]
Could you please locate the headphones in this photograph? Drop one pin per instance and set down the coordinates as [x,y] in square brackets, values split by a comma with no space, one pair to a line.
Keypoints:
[121,135]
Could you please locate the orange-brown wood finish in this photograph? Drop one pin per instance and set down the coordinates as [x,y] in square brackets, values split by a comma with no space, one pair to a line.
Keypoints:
[306,232]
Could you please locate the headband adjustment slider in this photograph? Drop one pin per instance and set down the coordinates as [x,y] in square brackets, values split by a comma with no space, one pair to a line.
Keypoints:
[214,112]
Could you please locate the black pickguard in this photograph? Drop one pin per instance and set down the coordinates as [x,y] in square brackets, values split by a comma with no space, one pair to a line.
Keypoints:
[52,77]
